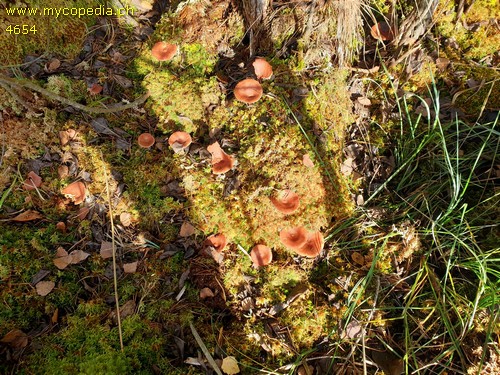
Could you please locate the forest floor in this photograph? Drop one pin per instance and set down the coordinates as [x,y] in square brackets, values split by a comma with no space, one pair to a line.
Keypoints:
[111,259]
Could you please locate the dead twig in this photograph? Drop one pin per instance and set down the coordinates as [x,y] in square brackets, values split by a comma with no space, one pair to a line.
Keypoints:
[32,86]
[113,244]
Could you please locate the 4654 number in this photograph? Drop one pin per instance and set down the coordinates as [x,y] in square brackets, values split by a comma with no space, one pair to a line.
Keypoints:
[21,29]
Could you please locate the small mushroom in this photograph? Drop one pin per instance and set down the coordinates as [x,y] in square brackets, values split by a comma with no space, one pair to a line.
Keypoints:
[262,69]
[382,31]
[179,141]
[294,238]
[76,190]
[95,89]
[313,246]
[287,202]
[261,255]
[163,51]
[32,182]
[206,293]
[146,140]
[221,162]
[217,241]
[248,91]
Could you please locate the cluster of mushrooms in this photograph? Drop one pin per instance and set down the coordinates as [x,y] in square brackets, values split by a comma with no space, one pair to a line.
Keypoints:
[248,90]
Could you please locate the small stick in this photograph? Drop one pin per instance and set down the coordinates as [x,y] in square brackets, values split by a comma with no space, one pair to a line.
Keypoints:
[63,100]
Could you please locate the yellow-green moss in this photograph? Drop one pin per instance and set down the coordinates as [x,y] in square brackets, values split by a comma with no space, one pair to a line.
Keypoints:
[52,33]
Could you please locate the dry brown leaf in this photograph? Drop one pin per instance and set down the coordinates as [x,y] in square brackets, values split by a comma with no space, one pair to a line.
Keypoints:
[44,287]
[128,309]
[63,171]
[125,219]
[187,229]
[28,215]
[62,262]
[16,339]
[32,181]
[106,250]
[346,168]
[82,213]
[363,100]
[353,329]
[52,65]
[306,160]
[60,252]
[230,366]
[78,256]
[130,267]
[358,258]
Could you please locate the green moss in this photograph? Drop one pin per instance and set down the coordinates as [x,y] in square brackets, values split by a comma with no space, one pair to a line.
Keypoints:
[51,34]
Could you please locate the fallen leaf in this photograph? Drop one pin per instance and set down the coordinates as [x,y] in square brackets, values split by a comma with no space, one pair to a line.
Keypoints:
[353,329]
[206,293]
[82,213]
[230,366]
[106,250]
[27,216]
[39,276]
[52,65]
[125,219]
[63,171]
[75,257]
[128,309]
[358,258]
[32,182]
[62,262]
[78,256]
[442,63]
[346,167]
[130,267]
[186,229]
[16,339]
[306,160]
[363,100]
[388,362]
[60,252]
[44,287]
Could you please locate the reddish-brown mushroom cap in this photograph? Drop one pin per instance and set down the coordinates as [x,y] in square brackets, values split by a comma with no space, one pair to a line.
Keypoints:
[179,140]
[163,51]
[146,140]
[32,182]
[294,238]
[313,246]
[217,241]
[262,69]
[382,31]
[248,91]
[76,190]
[221,162]
[95,89]
[261,255]
[286,202]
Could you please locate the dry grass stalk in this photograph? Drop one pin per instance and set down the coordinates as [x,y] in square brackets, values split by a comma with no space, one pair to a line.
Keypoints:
[349,22]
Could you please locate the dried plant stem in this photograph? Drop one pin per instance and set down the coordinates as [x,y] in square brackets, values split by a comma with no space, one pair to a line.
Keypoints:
[113,244]
[204,349]
[32,86]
